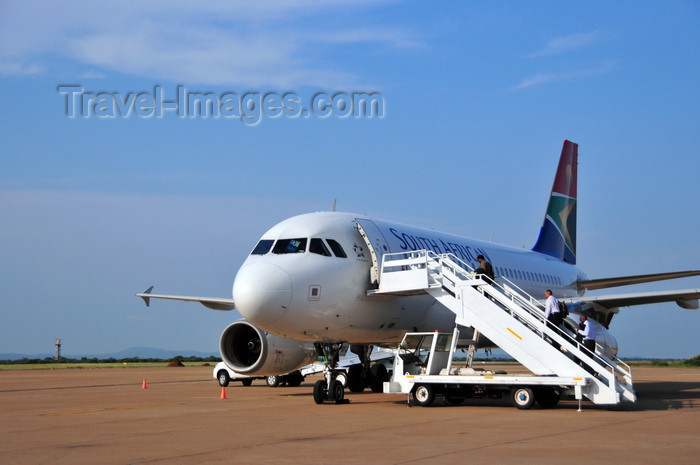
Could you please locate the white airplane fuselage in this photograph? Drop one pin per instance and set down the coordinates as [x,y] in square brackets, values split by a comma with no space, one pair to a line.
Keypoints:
[315,295]
[308,282]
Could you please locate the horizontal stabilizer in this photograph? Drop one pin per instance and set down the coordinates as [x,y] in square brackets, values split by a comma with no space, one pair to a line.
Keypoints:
[209,302]
[687,298]
[593,284]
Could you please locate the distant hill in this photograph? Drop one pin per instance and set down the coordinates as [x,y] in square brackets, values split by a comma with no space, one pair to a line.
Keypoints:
[140,352]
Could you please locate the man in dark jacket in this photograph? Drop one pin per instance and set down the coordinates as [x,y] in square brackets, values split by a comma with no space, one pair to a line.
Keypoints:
[485,268]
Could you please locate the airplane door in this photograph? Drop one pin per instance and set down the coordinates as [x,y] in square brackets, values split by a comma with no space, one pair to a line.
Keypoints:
[375,242]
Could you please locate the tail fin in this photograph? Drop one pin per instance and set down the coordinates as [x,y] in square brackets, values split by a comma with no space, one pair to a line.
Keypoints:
[558,233]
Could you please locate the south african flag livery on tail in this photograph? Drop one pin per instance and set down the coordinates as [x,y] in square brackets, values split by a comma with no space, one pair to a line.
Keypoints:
[558,233]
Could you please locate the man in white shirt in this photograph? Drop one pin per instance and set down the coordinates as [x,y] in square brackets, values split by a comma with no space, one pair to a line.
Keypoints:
[587,332]
[551,309]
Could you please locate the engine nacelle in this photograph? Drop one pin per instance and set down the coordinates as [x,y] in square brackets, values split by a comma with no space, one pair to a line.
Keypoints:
[605,340]
[250,351]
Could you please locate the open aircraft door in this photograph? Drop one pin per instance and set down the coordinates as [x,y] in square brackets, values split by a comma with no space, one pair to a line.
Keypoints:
[376,243]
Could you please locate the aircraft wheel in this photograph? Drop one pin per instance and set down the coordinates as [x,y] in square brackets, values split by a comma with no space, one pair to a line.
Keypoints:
[377,377]
[424,395]
[273,381]
[547,398]
[356,378]
[223,378]
[320,391]
[522,397]
[295,378]
[336,391]
[247,382]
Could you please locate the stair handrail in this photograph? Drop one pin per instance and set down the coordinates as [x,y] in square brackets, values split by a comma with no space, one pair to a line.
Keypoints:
[611,361]
[534,308]
[465,272]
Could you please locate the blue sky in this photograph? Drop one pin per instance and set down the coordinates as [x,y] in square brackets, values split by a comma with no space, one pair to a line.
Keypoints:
[478,97]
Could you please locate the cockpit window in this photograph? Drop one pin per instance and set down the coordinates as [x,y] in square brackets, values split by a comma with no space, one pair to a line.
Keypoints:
[263,247]
[318,247]
[283,246]
[337,249]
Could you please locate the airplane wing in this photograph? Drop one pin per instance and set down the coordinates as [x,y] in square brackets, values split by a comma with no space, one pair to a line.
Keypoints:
[593,284]
[212,303]
[687,299]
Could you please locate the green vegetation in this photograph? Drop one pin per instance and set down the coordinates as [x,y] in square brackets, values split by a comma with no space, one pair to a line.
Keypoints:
[693,362]
[84,362]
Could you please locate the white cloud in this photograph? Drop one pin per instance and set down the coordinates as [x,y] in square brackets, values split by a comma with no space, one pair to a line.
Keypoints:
[567,43]
[20,69]
[92,74]
[237,43]
[391,38]
[546,78]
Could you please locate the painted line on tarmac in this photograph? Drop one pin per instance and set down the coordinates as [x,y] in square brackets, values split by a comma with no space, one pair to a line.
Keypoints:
[111,409]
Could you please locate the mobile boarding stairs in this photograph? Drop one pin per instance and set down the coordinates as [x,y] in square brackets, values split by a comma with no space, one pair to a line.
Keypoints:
[511,319]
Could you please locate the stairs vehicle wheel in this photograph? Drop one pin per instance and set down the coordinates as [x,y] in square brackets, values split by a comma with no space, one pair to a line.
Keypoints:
[522,397]
[424,395]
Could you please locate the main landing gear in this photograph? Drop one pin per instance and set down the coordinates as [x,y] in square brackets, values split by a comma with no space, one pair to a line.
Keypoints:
[363,375]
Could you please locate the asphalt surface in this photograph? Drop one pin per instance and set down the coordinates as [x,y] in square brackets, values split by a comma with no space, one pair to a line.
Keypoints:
[91,416]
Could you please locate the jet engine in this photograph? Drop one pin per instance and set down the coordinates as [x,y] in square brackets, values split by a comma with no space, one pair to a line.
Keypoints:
[250,351]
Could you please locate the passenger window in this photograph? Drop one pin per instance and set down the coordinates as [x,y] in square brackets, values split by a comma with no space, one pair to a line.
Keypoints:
[337,249]
[263,247]
[283,246]
[318,247]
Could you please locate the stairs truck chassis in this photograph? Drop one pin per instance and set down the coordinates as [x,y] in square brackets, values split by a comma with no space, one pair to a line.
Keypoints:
[422,367]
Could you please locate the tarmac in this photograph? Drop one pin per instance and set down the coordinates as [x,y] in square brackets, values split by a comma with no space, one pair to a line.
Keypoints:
[96,416]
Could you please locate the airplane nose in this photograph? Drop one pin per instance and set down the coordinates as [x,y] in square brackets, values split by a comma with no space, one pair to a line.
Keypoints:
[262,292]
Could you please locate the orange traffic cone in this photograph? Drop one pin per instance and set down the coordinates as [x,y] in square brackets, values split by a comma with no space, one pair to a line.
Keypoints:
[144,386]
[223,393]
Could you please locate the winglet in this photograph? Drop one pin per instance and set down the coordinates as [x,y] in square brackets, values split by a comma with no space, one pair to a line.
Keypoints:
[146,298]
[558,233]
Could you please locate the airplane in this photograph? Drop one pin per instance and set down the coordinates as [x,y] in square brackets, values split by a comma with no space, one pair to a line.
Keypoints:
[306,288]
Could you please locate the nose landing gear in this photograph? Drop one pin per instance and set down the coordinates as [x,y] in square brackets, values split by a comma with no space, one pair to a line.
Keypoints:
[336,393]
[331,387]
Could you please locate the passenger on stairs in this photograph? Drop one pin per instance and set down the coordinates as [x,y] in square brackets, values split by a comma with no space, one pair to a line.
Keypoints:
[587,333]
[552,313]
[485,268]
[551,309]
